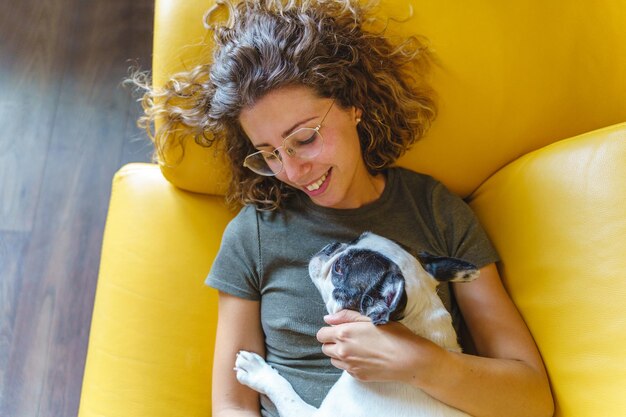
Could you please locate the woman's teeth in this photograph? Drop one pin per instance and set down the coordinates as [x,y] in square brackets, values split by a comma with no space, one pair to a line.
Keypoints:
[317,184]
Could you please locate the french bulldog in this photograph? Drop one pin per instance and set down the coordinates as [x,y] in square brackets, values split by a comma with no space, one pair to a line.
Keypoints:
[381,280]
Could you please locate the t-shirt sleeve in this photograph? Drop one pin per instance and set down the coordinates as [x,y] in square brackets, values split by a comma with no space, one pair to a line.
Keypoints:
[236,267]
[461,231]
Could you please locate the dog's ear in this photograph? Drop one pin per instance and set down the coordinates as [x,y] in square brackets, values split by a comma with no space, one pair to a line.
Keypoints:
[445,269]
[386,300]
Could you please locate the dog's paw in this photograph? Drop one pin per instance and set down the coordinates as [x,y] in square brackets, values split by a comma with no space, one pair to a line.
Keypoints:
[253,371]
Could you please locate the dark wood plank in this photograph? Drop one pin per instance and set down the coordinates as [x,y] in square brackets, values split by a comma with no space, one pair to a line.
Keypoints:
[55,199]
[32,56]
[12,248]
[137,147]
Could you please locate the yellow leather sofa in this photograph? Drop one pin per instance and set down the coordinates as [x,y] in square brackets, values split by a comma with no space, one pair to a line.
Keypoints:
[516,79]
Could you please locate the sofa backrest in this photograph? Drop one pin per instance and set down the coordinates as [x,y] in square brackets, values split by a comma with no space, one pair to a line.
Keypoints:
[513,77]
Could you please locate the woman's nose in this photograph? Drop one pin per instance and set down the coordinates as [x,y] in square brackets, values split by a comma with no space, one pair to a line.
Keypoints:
[295,168]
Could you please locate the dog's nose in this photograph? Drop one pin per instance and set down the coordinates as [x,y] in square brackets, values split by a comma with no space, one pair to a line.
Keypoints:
[330,248]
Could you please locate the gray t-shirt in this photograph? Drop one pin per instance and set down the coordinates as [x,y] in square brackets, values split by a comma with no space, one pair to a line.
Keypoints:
[264,256]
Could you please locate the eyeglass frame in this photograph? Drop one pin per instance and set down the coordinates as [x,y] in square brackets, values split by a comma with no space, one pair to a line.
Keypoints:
[291,153]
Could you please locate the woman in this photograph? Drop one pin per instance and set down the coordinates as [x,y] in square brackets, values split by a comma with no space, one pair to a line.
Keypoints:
[312,110]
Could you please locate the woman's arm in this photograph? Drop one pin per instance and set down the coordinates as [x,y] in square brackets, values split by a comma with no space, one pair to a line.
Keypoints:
[507,380]
[238,328]
[509,377]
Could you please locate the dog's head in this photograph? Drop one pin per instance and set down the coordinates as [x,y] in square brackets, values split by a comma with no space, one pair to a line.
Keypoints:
[370,275]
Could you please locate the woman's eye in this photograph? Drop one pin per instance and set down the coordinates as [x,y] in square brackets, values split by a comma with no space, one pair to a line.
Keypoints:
[303,137]
[308,140]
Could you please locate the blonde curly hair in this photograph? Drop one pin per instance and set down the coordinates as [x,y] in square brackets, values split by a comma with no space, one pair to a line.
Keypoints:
[263,45]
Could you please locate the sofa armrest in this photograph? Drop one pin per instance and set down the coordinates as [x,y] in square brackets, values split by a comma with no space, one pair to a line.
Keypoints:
[153,326]
[557,216]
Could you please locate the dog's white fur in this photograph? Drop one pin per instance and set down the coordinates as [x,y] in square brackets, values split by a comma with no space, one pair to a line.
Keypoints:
[424,315]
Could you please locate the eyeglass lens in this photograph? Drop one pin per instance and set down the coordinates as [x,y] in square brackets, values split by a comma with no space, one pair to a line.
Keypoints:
[305,143]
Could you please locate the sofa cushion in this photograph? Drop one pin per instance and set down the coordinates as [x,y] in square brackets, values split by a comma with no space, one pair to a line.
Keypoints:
[557,216]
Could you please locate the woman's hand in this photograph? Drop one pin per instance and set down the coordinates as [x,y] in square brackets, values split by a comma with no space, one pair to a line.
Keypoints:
[375,353]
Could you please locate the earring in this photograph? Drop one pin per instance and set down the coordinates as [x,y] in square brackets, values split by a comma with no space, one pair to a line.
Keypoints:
[358,120]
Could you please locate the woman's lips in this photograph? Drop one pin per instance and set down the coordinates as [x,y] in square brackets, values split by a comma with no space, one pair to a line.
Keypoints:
[316,185]
[319,186]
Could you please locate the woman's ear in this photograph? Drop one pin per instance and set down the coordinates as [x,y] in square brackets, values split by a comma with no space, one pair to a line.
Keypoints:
[357,115]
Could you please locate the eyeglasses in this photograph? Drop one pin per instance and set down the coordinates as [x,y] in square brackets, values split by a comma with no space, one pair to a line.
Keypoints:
[304,143]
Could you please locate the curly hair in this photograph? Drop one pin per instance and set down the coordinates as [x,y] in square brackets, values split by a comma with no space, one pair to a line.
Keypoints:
[263,45]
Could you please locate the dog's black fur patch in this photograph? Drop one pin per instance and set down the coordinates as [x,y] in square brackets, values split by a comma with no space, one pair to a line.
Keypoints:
[369,282]
[446,269]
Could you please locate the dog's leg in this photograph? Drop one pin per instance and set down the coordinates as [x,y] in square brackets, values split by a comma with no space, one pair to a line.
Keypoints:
[253,371]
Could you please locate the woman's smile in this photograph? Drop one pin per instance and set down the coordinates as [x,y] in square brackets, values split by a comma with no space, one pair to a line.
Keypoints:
[319,186]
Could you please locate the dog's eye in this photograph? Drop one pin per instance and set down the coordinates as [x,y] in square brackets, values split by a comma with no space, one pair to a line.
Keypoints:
[337,267]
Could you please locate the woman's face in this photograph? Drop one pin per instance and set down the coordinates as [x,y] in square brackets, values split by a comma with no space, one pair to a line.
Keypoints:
[337,177]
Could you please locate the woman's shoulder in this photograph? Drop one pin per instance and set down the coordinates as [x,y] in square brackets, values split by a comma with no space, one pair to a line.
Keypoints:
[243,221]
[424,189]
[249,217]
[245,214]
[413,179]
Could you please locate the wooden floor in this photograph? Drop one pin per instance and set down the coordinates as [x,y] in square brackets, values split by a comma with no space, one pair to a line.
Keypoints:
[66,125]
